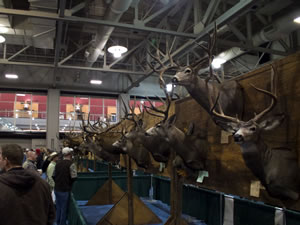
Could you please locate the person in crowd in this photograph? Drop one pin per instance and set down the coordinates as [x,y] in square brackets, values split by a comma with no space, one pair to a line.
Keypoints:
[25,197]
[40,158]
[64,175]
[30,162]
[53,158]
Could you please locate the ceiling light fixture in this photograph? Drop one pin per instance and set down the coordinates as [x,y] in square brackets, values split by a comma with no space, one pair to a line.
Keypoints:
[217,62]
[297,20]
[2,39]
[20,94]
[11,76]
[117,50]
[96,82]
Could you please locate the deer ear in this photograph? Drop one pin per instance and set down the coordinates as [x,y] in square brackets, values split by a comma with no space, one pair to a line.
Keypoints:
[272,122]
[140,123]
[227,126]
[190,130]
[171,121]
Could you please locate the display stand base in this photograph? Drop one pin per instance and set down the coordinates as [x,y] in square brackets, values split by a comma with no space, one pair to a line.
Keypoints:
[102,196]
[118,214]
[172,221]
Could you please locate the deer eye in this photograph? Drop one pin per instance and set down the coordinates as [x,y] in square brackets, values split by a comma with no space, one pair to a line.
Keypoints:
[253,128]
[187,71]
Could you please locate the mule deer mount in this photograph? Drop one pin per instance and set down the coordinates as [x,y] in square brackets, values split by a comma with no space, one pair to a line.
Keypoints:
[276,168]
[231,93]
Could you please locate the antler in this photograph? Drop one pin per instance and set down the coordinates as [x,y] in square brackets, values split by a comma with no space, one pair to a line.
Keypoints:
[163,67]
[261,114]
[221,115]
[209,49]
[272,95]
[167,103]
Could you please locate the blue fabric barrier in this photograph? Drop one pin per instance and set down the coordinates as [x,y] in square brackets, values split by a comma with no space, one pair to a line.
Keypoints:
[93,214]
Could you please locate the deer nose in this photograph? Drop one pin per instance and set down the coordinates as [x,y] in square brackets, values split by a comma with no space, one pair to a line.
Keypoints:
[174,80]
[238,138]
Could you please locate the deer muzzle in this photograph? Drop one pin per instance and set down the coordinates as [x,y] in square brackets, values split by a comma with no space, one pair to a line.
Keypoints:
[174,80]
[238,138]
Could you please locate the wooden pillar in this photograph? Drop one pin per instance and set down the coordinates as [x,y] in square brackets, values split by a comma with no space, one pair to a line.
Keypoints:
[110,184]
[130,194]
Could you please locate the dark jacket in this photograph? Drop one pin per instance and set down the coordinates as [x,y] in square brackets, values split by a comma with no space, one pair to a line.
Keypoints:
[25,199]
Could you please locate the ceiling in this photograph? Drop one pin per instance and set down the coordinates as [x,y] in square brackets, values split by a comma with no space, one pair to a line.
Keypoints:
[48,41]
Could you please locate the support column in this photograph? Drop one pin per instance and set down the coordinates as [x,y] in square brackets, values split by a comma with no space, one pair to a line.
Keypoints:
[126,99]
[53,119]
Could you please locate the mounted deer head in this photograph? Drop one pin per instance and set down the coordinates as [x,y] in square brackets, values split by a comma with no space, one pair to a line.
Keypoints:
[245,131]
[276,168]
[187,146]
[231,93]
[131,142]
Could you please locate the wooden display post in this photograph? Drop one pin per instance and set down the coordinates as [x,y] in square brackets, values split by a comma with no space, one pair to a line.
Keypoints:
[175,198]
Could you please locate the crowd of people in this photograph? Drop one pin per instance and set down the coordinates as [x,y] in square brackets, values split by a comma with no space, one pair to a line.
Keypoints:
[34,179]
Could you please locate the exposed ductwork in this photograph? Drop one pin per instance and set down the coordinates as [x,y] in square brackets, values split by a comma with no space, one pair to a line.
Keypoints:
[114,13]
[275,31]
[21,30]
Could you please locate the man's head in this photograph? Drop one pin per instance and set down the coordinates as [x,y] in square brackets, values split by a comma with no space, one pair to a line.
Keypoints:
[53,156]
[67,152]
[31,155]
[11,155]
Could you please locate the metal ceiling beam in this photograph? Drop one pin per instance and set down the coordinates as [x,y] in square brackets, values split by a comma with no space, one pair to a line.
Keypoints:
[58,37]
[75,9]
[75,19]
[102,69]
[182,24]
[210,12]
[148,19]
[4,61]
[237,32]
[232,13]
[74,53]
[250,47]
[19,52]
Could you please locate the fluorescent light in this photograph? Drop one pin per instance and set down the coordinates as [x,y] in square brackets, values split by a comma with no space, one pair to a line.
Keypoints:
[2,39]
[20,94]
[117,50]
[96,82]
[17,115]
[11,76]
[297,20]
[84,98]
[217,62]
[169,87]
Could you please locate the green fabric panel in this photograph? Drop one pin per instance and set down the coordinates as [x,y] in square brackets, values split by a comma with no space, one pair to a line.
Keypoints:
[101,174]
[161,189]
[74,215]
[85,187]
[202,204]
[250,213]
[292,217]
